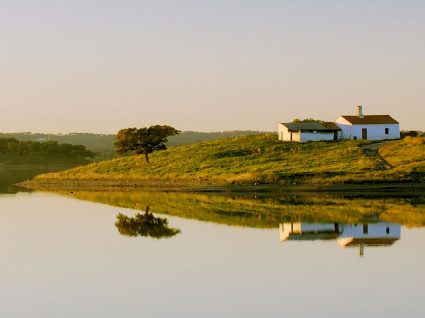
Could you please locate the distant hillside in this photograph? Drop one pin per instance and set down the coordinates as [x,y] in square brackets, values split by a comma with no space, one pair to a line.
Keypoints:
[13,152]
[260,159]
[103,145]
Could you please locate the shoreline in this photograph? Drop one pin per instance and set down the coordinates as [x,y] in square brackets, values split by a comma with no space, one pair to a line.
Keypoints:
[392,188]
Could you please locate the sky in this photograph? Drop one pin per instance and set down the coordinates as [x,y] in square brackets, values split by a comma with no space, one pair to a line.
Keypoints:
[102,65]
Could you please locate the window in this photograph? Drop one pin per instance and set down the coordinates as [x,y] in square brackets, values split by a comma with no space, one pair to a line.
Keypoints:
[388,230]
[387,131]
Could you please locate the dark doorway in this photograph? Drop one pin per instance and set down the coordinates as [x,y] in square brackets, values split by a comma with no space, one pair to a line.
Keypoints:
[364,133]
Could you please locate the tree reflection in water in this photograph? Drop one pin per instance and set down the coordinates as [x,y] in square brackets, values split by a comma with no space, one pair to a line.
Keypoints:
[145,225]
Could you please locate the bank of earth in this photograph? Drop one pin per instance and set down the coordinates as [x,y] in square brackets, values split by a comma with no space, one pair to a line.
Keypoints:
[254,160]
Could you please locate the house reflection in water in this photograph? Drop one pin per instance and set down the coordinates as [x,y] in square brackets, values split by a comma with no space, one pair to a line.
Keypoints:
[346,235]
[375,234]
[308,231]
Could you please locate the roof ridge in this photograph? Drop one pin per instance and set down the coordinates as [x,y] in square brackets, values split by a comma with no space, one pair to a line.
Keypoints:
[370,119]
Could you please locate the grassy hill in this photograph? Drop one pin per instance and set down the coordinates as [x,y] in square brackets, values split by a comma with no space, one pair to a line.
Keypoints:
[260,159]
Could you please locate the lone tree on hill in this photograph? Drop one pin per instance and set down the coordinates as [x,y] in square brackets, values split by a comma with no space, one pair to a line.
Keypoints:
[144,140]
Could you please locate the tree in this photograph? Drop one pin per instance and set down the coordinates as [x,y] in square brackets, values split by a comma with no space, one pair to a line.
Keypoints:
[144,140]
[307,120]
[144,225]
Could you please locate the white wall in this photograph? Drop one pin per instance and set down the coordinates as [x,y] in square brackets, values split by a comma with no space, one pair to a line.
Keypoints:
[296,136]
[286,229]
[317,227]
[374,132]
[285,135]
[316,136]
[374,230]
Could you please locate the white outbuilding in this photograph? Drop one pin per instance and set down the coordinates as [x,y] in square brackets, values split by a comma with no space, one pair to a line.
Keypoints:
[308,231]
[368,127]
[308,131]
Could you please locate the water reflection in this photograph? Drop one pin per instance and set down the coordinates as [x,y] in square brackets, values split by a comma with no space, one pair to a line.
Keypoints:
[376,234]
[145,225]
[12,174]
[68,260]
[346,235]
[268,212]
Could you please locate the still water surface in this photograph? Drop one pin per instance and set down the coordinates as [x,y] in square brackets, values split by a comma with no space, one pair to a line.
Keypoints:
[68,255]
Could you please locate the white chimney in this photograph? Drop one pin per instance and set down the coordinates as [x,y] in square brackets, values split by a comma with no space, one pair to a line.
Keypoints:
[360,111]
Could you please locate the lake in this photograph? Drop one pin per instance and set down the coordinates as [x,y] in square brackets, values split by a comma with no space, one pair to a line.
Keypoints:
[99,254]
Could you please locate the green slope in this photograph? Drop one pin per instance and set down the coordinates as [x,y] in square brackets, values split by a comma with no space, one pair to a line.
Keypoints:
[260,159]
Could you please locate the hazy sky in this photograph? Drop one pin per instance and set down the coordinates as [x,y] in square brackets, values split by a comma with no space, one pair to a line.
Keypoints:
[208,65]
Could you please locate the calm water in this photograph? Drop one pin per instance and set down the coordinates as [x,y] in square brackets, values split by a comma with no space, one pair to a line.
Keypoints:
[68,255]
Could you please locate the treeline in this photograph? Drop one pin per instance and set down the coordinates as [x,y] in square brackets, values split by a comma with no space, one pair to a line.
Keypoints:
[412,133]
[91,141]
[11,146]
[101,144]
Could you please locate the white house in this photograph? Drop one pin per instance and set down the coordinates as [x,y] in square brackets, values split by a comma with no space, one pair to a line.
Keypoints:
[368,127]
[308,131]
[374,234]
[346,235]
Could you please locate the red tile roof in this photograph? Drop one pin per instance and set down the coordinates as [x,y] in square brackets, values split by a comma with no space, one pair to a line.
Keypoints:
[370,119]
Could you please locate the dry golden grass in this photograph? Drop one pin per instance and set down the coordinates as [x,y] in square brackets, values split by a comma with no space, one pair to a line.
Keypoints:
[260,159]
[407,154]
